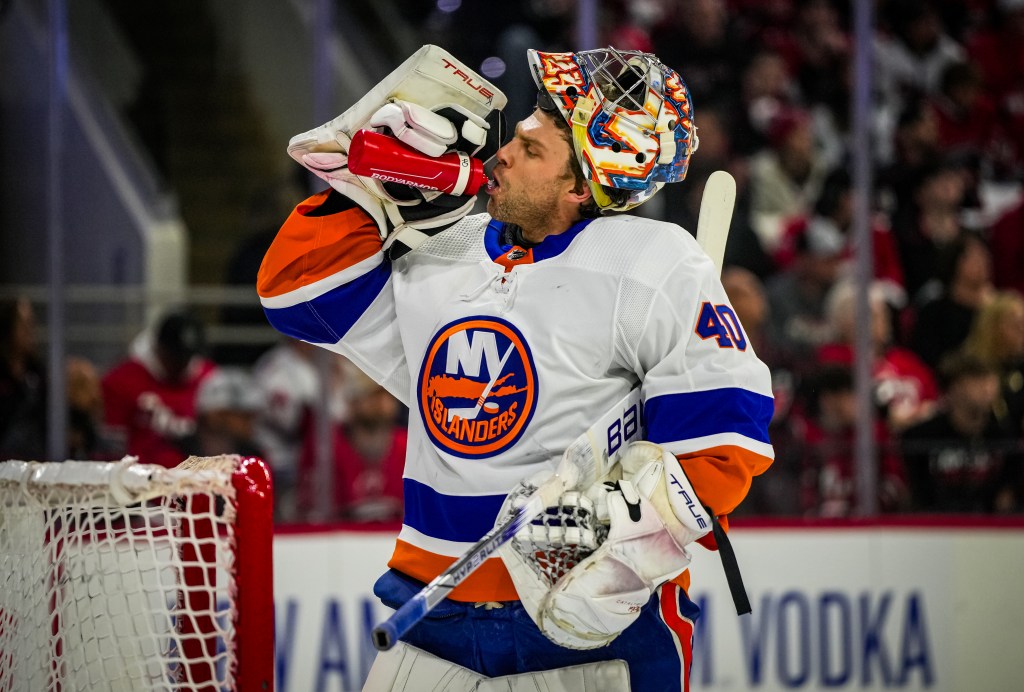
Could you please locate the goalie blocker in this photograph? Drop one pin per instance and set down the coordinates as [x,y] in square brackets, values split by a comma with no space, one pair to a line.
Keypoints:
[432,103]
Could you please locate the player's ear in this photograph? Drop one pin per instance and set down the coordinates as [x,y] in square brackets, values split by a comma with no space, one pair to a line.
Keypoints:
[579,194]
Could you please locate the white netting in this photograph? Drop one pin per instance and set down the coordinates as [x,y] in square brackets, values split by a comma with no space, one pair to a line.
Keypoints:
[117,576]
[560,538]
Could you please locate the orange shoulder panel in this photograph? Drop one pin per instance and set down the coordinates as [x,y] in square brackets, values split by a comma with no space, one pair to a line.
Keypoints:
[310,248]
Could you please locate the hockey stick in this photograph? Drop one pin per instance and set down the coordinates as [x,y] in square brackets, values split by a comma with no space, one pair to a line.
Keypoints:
[716,207]
[588,458]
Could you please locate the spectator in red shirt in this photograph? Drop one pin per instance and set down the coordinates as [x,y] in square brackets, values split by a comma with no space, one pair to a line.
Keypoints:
[149,398]
[905,387]
[831,221]
[368,454]
[829,474]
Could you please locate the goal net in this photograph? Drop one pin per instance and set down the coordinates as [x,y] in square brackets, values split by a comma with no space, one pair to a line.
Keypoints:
[128,576]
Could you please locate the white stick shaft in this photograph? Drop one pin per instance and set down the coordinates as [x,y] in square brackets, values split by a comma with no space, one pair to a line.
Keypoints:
[716,207]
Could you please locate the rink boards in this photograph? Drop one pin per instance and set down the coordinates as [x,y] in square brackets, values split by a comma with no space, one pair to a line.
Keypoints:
[911,606]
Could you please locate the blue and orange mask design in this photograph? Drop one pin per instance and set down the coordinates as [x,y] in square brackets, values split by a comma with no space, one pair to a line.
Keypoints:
[477,387]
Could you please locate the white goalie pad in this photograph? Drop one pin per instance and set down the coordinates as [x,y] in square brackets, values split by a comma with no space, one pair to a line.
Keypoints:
[660,478]
[405,668]
[431,78]
[417,126]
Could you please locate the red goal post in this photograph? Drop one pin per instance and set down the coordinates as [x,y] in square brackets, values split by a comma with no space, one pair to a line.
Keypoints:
[128,576]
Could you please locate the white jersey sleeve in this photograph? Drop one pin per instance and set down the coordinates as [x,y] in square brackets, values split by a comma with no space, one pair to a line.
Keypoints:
[707,395]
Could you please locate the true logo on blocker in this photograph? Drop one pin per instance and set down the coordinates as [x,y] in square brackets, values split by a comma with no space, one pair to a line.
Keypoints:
[478,387]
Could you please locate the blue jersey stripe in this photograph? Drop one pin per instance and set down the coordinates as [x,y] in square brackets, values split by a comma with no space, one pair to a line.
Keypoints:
[326,318]
[551,246]
[449,517]
[674,417]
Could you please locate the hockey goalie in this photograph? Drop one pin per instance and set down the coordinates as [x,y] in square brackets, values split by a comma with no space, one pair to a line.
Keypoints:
[509,332]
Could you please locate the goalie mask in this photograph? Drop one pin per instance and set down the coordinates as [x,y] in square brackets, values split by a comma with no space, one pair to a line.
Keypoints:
[631,119]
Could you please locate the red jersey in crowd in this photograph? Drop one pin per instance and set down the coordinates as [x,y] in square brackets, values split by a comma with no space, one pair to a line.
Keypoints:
[904,385]
[886,259]
[829,476]
[152,412]
[364,489]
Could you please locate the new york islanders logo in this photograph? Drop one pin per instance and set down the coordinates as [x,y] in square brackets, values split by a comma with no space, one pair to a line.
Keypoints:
[478,387]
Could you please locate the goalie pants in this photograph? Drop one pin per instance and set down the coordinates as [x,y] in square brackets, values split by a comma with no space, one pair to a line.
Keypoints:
[495,641]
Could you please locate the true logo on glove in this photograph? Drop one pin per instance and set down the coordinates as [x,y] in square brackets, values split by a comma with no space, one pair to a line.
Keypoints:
[477,387]
[457,71]
[690,504]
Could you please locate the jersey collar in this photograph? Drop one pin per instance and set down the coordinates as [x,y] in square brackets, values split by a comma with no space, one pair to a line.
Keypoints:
[509,255]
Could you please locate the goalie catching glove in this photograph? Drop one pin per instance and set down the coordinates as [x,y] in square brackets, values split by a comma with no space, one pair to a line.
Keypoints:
[641,522]
[432,103]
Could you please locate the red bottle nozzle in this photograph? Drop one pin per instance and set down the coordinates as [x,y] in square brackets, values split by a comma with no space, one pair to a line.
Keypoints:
[374,155]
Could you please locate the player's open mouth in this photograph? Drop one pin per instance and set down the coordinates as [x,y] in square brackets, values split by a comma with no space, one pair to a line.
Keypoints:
[493,184]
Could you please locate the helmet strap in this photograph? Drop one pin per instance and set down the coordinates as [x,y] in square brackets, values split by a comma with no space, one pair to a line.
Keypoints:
[601,196]
[581,115]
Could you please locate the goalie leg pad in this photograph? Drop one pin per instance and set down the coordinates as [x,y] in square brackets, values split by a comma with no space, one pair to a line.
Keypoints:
[601,676]
[405,668]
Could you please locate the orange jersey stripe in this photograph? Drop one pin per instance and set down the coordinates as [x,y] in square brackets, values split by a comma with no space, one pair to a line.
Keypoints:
[490,582]
[310,248]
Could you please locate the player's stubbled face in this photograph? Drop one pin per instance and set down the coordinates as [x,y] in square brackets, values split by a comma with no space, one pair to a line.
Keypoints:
[531,176]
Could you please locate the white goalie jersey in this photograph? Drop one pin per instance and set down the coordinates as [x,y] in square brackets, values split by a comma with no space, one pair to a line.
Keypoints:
[505,354]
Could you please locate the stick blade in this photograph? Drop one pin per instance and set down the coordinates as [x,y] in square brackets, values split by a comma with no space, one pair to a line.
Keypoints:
[716,215]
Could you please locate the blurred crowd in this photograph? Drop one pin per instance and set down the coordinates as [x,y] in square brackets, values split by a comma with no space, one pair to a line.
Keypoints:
[167,400]
[771,86]
[770,82]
